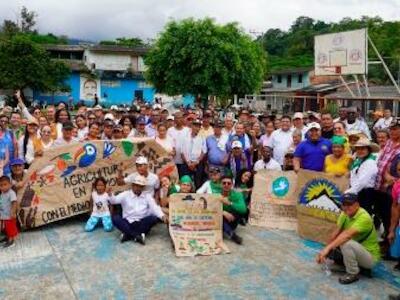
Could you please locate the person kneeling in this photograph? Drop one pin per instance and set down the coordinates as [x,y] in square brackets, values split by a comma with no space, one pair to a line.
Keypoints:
[357,240]
[139,212]
[234,209]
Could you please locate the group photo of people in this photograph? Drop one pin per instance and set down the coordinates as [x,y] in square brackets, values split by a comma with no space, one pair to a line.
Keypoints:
[219,153]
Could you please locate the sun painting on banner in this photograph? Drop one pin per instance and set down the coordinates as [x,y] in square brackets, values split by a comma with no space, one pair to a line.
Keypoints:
[321,194]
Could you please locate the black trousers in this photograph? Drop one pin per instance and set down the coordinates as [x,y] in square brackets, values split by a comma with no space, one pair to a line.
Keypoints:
[378,204]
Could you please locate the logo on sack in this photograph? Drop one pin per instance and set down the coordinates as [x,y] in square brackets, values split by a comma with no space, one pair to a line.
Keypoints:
[280,186]
[321,193]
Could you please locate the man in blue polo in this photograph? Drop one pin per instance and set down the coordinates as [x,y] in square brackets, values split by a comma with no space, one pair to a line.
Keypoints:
[310,154]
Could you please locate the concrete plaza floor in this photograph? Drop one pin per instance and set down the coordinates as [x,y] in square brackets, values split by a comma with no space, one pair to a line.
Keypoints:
[61,261]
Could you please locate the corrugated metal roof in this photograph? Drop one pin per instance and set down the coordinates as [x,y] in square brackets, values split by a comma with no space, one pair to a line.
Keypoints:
[376,92]
[292,71]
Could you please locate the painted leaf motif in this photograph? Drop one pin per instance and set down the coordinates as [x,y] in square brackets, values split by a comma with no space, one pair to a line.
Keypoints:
[127,147]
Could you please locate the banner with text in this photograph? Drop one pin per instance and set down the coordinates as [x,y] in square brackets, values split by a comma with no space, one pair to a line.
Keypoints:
[195,224]
[273,200]
[60,183]
[319,202]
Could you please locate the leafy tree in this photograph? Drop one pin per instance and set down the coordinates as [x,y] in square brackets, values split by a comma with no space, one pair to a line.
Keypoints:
[24,63]
[28,20]
[199,57]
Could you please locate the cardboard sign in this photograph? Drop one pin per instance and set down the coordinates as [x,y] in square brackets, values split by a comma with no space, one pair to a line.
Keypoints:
[319,201]
[195,224]
[60,183]
[273,201]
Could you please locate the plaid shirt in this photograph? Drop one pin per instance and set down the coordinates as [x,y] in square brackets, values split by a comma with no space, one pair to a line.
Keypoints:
[385,159]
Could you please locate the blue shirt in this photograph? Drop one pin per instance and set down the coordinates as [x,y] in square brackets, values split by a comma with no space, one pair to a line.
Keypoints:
[214,153]
[312,154]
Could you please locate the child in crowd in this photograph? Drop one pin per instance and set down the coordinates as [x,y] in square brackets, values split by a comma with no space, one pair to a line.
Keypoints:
[8,212]
[100,206]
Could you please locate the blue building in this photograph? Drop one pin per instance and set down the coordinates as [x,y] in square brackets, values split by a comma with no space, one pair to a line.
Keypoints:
[113,73]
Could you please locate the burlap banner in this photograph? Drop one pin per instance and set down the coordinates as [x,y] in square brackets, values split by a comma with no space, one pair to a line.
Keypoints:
[195,224]
[319,200]
[273,201]
[60,182]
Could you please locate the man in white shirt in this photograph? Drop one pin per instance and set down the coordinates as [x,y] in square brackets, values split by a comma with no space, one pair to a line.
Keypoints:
[267,162]
[139,212]
[179,134]
[354,124]
[193,154]
[151,128]
[66,138]
[281,140]
[384,123]
[142,168]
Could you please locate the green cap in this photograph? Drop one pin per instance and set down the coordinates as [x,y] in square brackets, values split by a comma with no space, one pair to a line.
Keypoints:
[338,140]
[186,179]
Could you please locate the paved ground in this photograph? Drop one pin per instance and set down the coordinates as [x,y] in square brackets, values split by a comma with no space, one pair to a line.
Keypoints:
[62,261]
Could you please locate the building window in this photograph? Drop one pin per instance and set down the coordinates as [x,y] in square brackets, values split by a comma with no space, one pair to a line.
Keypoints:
[300,78]
[279,78]
[289,81]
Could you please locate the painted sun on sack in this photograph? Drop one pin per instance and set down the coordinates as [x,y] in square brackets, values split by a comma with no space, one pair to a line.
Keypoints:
[60,183]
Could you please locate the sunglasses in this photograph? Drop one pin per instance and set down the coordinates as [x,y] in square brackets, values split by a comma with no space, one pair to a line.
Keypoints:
[226,183]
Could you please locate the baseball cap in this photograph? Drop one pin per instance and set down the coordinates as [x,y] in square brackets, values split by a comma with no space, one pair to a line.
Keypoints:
[196,122]
[114,107]
[237,144]
[141,160]
[349,199]
[139,180]
[17,161]
[68,125]
[170,117]
[141,120]
[186,179]
[118,127]
[219,124]
[98,106]
[298,115]
[214,170]
[109,117]
[157,106]
[314,125]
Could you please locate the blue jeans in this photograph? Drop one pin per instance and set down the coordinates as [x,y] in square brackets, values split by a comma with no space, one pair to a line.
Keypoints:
[135,228]
[93,221]
[229,227]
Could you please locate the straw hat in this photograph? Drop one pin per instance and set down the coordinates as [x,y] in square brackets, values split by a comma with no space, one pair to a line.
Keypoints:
[364,142]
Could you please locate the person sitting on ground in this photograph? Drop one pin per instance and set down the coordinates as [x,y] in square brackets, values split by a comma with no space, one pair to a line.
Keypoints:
[267,162]
[99,202]
[338,163]
[139,212]
[8,212]
[310,154]
[212,186]
[142,168]
[234,208]
[354,242]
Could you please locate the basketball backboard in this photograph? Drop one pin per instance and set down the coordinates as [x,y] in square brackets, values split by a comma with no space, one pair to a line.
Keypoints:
[341,53]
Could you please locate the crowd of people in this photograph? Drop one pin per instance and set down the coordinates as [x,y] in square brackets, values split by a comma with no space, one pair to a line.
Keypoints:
[217,154]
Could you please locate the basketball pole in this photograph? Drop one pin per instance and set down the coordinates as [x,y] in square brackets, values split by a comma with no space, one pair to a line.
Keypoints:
[347,86]
[366,85]
[358,84]
[384,65]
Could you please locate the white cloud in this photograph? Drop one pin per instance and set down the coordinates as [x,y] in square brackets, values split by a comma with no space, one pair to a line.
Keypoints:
[108,19]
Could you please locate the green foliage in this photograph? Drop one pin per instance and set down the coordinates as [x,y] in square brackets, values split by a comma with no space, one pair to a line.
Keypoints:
[129,42]
[295,47]
[24,63]
[200,57]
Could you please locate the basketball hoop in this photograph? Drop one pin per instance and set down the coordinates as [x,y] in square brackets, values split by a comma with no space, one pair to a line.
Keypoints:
[332,70]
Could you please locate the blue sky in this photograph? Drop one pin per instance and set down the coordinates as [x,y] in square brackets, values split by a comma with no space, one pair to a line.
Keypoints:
[107,19]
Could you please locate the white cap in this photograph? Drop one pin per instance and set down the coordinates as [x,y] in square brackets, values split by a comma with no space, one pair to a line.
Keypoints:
[157,106]
[170,117]
[141,160]
[298,115]
[98,106]
[114,107]
[109,116]
[139,180]
[237,144]
[314,125]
